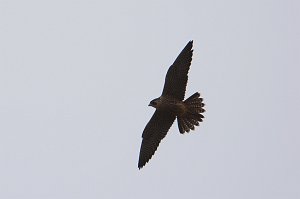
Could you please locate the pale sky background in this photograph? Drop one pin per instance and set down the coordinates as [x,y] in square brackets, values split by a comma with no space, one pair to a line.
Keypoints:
[76,78]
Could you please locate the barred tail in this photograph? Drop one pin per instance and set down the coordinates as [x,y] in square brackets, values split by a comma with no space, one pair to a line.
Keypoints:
[193,116]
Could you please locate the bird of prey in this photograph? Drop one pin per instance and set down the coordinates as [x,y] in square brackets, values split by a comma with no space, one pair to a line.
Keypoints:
[171,105]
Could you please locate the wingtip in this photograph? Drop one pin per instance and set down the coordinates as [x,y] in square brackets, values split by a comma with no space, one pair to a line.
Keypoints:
[141,163]
[140,166]
[190,44]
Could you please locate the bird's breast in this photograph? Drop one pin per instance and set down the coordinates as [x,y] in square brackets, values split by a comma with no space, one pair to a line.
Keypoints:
[173,106]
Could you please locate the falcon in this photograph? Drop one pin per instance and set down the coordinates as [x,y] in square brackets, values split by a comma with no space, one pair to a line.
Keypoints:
[171,105]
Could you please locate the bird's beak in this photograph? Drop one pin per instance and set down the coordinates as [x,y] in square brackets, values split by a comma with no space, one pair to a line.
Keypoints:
[149,104]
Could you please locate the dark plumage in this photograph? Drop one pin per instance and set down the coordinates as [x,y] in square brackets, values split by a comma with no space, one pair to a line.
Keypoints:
[171,105]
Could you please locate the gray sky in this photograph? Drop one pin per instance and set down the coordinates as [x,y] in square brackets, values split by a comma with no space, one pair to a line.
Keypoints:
[76,78]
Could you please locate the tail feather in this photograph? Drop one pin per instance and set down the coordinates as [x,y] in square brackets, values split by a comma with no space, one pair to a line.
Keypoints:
[193,116]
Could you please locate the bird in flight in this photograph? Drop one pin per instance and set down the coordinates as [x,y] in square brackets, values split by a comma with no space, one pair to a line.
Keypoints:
[171,105]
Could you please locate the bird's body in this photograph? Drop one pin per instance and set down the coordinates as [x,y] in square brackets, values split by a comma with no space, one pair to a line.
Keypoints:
[171,105]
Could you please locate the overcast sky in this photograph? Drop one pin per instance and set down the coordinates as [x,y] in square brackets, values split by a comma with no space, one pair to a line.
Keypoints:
[76,78]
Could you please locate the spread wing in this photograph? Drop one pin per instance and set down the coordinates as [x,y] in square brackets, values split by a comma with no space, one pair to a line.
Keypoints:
[154,132]
[177,75]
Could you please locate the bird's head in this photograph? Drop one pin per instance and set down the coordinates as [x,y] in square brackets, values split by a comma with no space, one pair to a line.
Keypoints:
[154,103]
